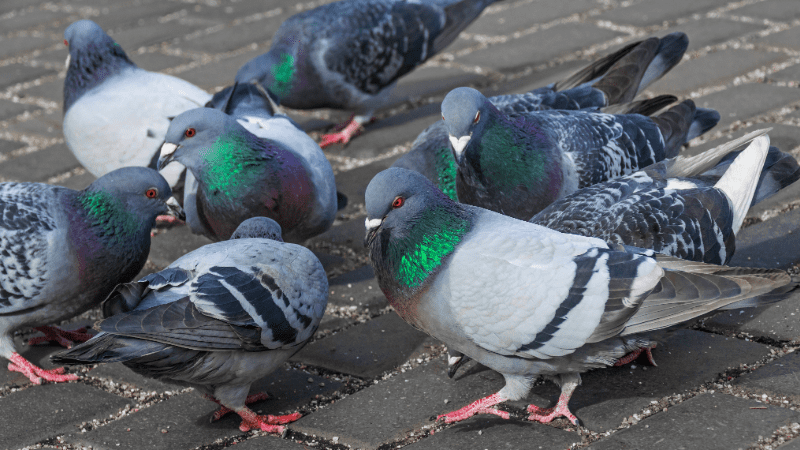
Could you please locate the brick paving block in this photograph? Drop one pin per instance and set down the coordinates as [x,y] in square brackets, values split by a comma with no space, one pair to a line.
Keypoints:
[234,37]
[778,10]
[790,74]
[429,80]
[17,73]
[359,285]
[711,31]
[778,321]
[135,14]
[9,109]
[28,20]
[49,90]
[170,245]
[708,421]
[538,79]
[157,62]
[219,73]
[789,38]
[39,165]
[186,417]
[777,202]
[328,261]
[785,137]
[23,413]
[48,124]
[539,47]
[56,56]
[404,402]
[713,69]
[353,183]
[367,350]
[77,182]
[11,5]
[225,12]
[10,146]
[780,377]
[767,244]
[746,101]
[794,444]
[350,233]
[522,16]
[493,432]
[652,12]
[146,35]
[20,45]
[271,443]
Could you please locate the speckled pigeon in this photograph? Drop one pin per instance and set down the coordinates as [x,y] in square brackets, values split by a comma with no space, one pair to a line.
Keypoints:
[526,300]
[63,251]
[349,54]
[116,114]
[255,110]
[518,164]
[611,83]
[240,175]
[217,319]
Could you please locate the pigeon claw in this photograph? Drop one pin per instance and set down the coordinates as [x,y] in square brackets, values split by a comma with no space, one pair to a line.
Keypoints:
[481,406]
[37,374]
[223,410]
[546,415]
[351,130]
[635,354]
[64,338]
[268,423]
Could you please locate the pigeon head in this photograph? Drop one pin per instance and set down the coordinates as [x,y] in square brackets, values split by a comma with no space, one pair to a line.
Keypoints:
[258,227]
[93,58]
[276,70]
[464,112]
[192,134]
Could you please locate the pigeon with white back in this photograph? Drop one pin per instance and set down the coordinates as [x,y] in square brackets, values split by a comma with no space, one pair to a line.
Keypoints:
[527,301]
[349,54]
[217,319]
[63,251]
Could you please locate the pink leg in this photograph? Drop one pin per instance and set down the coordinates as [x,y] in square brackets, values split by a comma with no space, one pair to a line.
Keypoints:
[64,338]
[37,374]
[270,424]
[223,410]
[482,406]
[351,129]
[546,415]
[168,220]
[635,354]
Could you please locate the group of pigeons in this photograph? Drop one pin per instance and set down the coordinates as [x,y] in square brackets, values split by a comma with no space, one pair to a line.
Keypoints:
[540,234]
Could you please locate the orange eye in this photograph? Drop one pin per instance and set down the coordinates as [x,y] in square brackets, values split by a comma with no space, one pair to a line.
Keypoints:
[398,202]
[66,43]
[477,117]
[151,193]
[442,116]
[190,132]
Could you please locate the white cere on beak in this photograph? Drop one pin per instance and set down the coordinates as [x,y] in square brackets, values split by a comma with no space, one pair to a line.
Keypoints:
[459,144]
[168,149]
[66,63]
[453,360]
[374,223]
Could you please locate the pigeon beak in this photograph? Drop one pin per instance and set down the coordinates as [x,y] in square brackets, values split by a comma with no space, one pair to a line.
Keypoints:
[66,63]
[175,209]
[167,152]
[459,144]
[453,363]
[372,229]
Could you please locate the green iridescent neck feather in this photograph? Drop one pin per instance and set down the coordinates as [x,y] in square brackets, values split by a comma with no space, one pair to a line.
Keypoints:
[108,214]
[507,159]
[283,75]
[433,238]
[229,165]
[446,172]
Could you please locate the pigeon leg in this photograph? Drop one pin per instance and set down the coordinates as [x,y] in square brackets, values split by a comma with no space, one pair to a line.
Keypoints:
[546,415]
[482,406]
[37,374]
[223,410]
[352,128]
[635,354]
[270,424]
[64,338]
[164,220]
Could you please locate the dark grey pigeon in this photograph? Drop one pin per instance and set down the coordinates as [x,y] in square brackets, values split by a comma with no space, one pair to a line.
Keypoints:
[610,83]
[115,113]
[518,164]
[65,250]
[217,319]
[527,301]
[349,54]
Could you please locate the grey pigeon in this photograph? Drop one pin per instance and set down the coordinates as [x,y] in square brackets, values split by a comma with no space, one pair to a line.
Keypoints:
[285,176]
[611,83]
[349,54]
[115,113]
[527,301]
[518,164]
[217,319]
[63,251]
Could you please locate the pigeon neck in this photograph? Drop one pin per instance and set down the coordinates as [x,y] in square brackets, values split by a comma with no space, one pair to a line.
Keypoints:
[90,66]
[446,172]
[233,164]
[283,73]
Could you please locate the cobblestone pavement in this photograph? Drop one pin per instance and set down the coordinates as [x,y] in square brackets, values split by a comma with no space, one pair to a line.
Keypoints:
[368,380]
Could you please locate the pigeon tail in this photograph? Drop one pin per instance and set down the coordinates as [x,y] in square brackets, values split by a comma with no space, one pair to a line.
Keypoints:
[669,54]
[739,181]
[682,123]
[645,107]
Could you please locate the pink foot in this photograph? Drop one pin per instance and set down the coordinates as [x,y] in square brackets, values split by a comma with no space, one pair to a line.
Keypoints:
[270,424]
[482,406]
[353,128]
[64,338]
[37,374]
[546,415]
[223,410]
[165,220]
[635,354]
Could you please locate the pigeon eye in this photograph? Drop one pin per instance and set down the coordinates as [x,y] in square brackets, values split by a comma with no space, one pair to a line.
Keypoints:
[398,202]
[477,117]
[190,132]
[66,43]
[151,193]
[442,116]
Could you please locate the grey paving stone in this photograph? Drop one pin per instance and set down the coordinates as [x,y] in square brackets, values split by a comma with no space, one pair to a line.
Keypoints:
[785,137]
[36,19]
[789,39]
[353,183]
[77,182]
[357,288]
[270,442]
[522,16]
[146,35]
[219,73]
[170,245]
[539,47]
[136,13]
[493,432]
[769,244]
[778,321]
[794,444]
[712,31]
[11,5]
[427,80]
[350,233]
[46,124]
[713,69]
[780,377]
[234,37]
[40,165]
[9,146]
[778,10]
[158,62]
[404,402]
[366,350]
[9,109]
[119,373]
[22,413]
[791,73]
[21,45]
[17,73]
[711,421]
[50,90]
[746,101]
[652,12]
[186,416]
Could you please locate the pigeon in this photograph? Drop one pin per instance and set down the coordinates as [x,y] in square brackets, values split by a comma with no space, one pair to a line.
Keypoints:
[115,113]
[349,54]
[63,251]
[217,319]
[241,175]
[611,83]
[518,164]
[257,111]
[527,301]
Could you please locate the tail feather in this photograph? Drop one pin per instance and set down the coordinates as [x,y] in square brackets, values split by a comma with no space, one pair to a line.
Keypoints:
[684,122]
[704,119]
[739,181]
[107,348]
[669,54]
[595,70]
[622,81]
[643,107]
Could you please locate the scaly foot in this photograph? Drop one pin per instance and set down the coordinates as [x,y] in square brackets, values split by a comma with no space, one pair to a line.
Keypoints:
[270,424]
[635,354]
[351,129]
[482,406]
[223,410]
[64,338]
[37,374]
